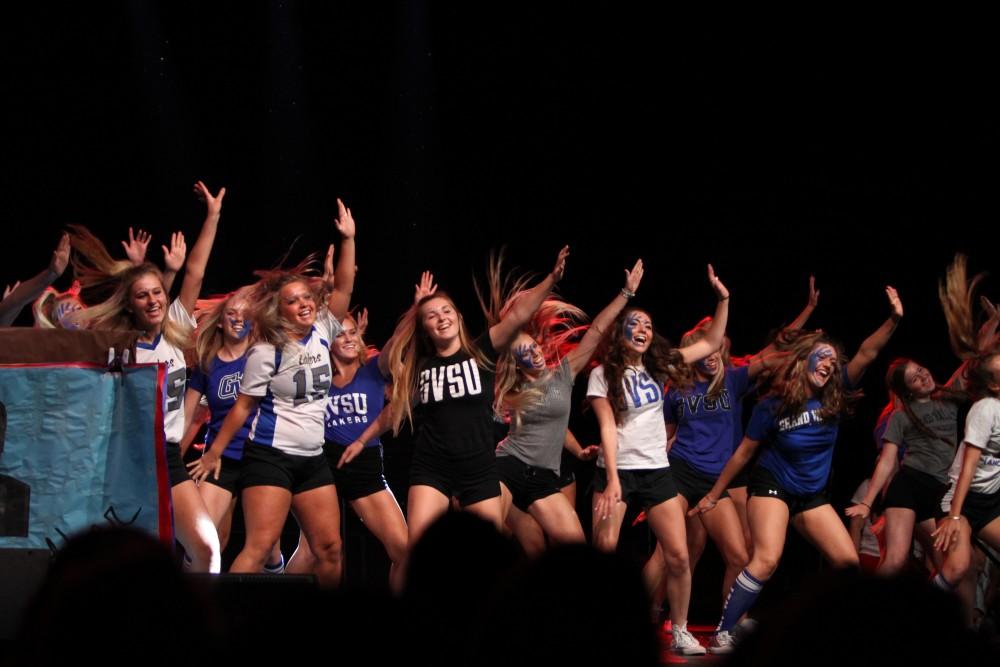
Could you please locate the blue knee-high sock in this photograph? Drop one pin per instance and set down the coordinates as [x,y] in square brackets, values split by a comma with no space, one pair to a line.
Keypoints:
[742,595]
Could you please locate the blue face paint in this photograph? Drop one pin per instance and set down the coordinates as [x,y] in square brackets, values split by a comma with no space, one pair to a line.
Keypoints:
[704,367]
[242,333]
[816,357]
[523,355]
[631,322]
[63,309]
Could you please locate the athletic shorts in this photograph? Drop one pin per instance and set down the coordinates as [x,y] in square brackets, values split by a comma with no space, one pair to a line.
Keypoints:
[176,469]
[361,477]
[268,466]
[470,480]
[918,491]
[764,484]
[691,483]
[526,483]
[645,487]
[981,509]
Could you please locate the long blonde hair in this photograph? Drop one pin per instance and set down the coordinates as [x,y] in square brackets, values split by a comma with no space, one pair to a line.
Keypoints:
[114,314]
[411,347]
[956,294]
[209,314]
[264,297]
[93,265]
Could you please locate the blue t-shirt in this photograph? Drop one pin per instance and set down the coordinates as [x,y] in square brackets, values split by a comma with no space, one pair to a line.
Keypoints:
[356,405]
[708,429]
[221,387]
[798,449]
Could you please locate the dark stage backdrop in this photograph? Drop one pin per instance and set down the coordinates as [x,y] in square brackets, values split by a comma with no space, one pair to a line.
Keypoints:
[862,152]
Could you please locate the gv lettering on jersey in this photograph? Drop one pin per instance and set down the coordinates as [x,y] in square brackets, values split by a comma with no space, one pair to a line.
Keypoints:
[451,381]
[229,386]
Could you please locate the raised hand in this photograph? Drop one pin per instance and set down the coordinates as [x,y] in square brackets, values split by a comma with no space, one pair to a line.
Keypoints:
[894,302]
[213,204]
[720,289]
[328,273]
[813,292]
[173,257]
[135,248]
[60,256]
[345,221]
[560,268]
[425,288]
[362,322]
[634,277]
[10,288]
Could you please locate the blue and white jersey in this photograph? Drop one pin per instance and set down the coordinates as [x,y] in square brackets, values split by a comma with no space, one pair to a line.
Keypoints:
[220,388]
[356,405]
[708,427]
[642,435]
[163,352]
[293,384]
[798,449]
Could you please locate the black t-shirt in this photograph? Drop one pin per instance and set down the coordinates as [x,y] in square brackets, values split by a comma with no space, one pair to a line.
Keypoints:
[454,411]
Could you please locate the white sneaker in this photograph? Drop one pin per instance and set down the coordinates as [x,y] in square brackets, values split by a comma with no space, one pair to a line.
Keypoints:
[722,642]
[685,643]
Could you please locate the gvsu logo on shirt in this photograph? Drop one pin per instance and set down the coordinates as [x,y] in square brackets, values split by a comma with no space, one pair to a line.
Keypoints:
[347,409]
[452,381]
[229,386]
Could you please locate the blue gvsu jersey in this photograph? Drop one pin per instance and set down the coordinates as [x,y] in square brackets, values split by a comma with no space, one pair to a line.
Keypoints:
[293,384]
[220,387]
[356,405]
[798,448]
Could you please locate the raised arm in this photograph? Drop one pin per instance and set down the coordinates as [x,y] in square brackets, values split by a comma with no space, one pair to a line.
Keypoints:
[582,353]
[504,332]
[194,272]
[803,317]
[717,330]
[135,247]
[340,296]
[873,344]
[31,289]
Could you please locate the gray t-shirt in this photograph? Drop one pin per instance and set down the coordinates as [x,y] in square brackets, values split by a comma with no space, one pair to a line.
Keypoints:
[925,453]
[538,441]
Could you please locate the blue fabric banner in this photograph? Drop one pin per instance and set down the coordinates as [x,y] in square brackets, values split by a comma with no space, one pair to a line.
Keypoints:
[83,446]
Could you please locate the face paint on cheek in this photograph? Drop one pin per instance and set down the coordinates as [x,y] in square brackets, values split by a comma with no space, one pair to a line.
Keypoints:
[630,324]
[245,331]
[522,355]
[704,367]
[816,357]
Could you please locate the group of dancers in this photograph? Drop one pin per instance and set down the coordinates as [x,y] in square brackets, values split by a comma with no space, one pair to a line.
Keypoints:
[296,402]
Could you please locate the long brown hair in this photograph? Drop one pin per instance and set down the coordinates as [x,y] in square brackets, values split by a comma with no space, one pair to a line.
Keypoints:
[790,384]
[895,380]
[956,294]
[663,362]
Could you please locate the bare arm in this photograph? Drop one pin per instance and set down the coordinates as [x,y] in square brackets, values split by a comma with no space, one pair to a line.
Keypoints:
[29,290]
[504,331]
[873,344]
[737,461]
[194,272]
[582,353]
[948,531]
[884,468]
[573,446]
[340,296]
[192,401]
[612,494]
[811,304]
[424,288]
[717,331]
[381,424]
[210,462]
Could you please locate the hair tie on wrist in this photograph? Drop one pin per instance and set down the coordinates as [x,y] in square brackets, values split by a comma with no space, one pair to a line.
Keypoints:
[627,293]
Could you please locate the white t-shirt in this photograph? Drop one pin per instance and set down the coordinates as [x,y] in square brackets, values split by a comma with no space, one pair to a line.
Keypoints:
[171,356]
[982,430]
[642,435]
[293,384]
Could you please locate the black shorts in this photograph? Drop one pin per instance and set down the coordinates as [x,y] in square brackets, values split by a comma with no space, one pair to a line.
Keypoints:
[470,480]
[764,484]
[742,478]
[268,466]
[361,477]
[916,490]
[230,477]
[176,469]
[691,483]
[981,509]
[526,483]
[646,487]
[567,466]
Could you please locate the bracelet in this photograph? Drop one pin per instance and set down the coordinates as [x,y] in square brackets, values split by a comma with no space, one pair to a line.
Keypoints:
[861,502]
[955,518]
[725,298]
[627,293]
